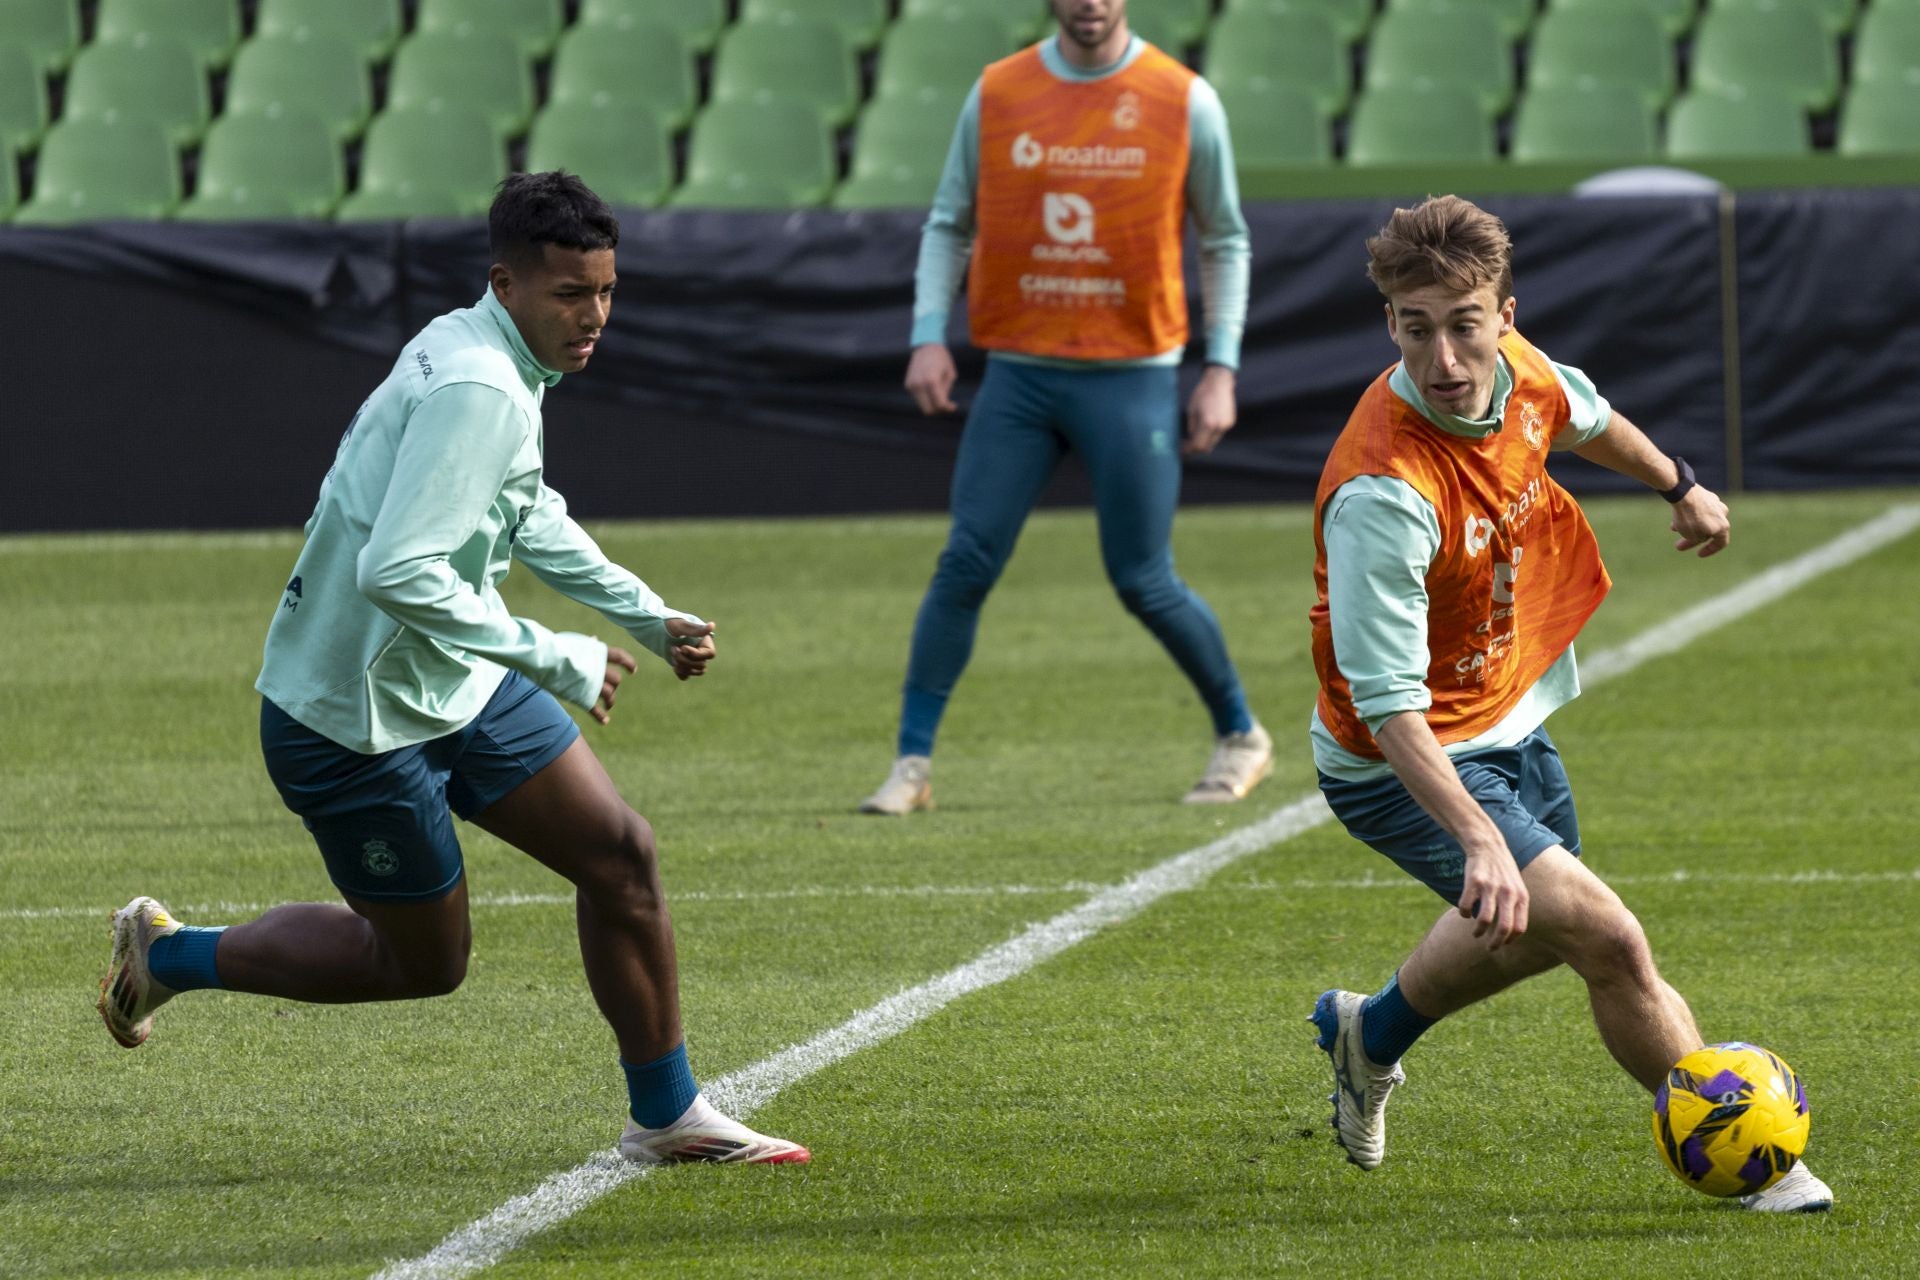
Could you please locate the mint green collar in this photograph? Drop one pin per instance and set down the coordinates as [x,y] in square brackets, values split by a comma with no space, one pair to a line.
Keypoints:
[530,369]
[1400,382]
[1057,63]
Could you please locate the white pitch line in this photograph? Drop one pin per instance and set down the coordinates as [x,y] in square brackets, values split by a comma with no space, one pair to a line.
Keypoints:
[486,1240]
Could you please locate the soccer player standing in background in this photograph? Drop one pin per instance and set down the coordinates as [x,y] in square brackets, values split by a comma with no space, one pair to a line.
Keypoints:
[1453,575]
[1070,176]
[396,685]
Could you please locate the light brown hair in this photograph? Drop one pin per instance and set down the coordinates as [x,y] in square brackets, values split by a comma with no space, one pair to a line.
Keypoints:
[1443,240]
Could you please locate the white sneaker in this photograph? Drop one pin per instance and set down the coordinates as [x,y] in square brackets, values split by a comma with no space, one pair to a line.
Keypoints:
[129,994]
[1360,1087]
[1240,761]
[907,788]
[703,1134]
[1798,1192]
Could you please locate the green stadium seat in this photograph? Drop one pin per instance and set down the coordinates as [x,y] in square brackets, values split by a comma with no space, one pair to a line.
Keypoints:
[1438,124]
[755,155]
[303,73]
[1706,124]
[795,63]
[1512,17]
[1276,126]
[23,103]
[938,56]
[1180,23]
[210,29]
[861,22]
[624,154]
[49,30]
[1786,51]
[96,169]
[258,167]
[9,183]
[418,163]
[1577,124]
[372,27]
[1886,48]
[1881,119]
[1676,17]
[1464,48]
[699,22]
[1836,16]
[141,78]
[1251,51]
[1023,20]
[899,152]
[532,25]
[467,72]
[1583,48]
[1350,18]
[644,67]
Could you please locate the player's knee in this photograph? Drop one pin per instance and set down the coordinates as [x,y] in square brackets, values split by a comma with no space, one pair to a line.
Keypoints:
[966,573]
[1146,593]
[626,876]
[1615,951]
[423,974]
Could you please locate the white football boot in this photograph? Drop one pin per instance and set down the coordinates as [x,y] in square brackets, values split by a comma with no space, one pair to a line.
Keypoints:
[908,787]
[703,1134]
[129,994]
[1798,1192]
[1240,761]
[1360,1086]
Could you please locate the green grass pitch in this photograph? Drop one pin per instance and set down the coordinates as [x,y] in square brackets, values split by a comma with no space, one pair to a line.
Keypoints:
[1145,1103]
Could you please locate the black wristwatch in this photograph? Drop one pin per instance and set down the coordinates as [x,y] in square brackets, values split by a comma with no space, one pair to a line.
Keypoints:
[1684,484]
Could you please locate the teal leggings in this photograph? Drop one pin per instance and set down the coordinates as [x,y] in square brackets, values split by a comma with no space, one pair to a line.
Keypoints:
[1125,425]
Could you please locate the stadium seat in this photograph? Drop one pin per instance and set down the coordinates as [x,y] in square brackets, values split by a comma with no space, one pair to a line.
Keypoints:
[1880,119]
[699,22]
[1276,126]
[258,166]
[1438,124]
[1181,24]
[643,67]
[1786,51]
[23,103]
[623,154]
[1415,50]
[788,62]
[303,73]
[1350,18]
[49,30]
[861,22]
[1749,124]
[899,152]
[1594,122]
[141,78]
[1836,16]
[372,27]
[1675,17]
[755,155]
[1512,17]
[95,169]
[1023,20]
[1250,51]
[532,25]
[1886,48]
[1581,48]
[472,71]
[938,56]
[208,28]
[9,183]
[418,163]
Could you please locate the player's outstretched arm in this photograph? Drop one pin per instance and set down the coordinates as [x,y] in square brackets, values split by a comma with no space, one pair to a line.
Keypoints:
[1699,516]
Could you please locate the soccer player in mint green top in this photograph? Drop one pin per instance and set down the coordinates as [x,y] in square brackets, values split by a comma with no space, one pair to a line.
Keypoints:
[397,690]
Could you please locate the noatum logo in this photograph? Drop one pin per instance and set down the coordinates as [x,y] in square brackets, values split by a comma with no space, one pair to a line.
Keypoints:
[1030,153]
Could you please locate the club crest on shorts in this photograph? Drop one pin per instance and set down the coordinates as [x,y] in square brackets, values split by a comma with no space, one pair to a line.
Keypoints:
[378,857]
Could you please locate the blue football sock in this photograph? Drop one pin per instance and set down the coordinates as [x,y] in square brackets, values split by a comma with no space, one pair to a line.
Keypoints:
[659,1091]
[1389,1025]
[183,961]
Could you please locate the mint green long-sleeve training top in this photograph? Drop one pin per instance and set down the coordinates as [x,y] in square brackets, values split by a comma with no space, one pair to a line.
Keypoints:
[391,630]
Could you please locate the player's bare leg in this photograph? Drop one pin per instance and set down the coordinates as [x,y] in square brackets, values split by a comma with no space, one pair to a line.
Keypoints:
[325,953]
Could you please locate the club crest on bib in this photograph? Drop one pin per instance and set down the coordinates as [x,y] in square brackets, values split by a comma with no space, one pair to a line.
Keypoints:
[1532,429]
[1126,112]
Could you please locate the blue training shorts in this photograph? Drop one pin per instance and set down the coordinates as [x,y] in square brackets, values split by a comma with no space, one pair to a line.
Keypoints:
[382,821]
[1523,788]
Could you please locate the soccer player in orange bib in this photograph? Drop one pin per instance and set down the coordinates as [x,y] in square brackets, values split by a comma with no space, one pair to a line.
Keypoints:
[1453,576]
[1072,171]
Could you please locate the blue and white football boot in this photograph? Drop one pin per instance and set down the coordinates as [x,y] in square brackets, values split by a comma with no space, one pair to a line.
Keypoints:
[1360,1086]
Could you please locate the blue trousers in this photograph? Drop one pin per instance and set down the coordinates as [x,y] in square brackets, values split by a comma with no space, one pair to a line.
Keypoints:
[1125,425]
